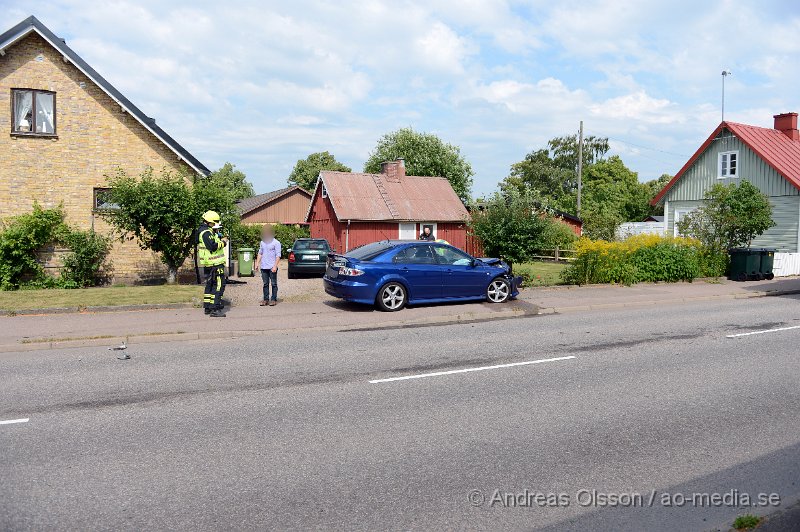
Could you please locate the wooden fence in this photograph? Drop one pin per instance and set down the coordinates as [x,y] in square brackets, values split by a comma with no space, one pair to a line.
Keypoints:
[557,255]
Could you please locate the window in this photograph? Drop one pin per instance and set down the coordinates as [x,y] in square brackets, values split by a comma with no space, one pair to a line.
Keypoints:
[728,161]
[421,254]
[324,191]
[102,200]
[431,226]
[452,257]
[33,112]
[679,215]
[407,231]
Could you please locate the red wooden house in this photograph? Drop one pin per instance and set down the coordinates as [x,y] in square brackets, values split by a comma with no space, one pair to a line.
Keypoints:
[352,209]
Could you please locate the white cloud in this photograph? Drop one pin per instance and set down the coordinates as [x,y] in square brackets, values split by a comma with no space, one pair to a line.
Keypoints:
[263,83]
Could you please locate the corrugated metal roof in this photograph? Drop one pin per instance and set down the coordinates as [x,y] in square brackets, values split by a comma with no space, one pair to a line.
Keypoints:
[774,147]
[247,205]
[358,196]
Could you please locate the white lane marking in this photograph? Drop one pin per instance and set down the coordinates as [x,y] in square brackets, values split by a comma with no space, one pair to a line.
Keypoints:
[763,332]
[468,370]
[10,421]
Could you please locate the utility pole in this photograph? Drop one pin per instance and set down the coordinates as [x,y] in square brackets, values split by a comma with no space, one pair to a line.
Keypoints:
[725,74]
[580,170]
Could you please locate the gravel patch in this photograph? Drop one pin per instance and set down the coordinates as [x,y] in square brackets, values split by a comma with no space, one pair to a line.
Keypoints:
[304,289]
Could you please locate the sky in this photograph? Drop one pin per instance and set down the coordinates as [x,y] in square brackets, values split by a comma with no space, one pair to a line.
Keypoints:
[263,83]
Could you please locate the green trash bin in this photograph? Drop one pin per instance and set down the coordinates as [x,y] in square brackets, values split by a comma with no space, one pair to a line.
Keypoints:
[745,263]
[767,262]
[246,260]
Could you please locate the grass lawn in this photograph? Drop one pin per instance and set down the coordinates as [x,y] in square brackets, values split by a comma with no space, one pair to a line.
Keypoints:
[94,297]
[540,273]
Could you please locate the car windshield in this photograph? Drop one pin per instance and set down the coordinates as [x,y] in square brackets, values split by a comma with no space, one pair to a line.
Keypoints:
[306,245]
[369,251]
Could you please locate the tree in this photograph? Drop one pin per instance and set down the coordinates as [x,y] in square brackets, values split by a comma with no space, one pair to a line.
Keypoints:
[161,212]
[553,171]
[730,217]
[232,180]
[306,171]
[425,155]
[655,186]
[517,226]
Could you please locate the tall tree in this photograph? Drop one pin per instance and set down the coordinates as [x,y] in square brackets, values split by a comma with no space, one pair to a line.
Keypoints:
[553,171]
[655,186]
[306,171]
[161,212]
[425,154]
[233,180]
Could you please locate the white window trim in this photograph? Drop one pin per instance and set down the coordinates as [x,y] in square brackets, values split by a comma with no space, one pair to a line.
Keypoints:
[676,216]
[324,191]
[407,224]
[720,174]
[434,230]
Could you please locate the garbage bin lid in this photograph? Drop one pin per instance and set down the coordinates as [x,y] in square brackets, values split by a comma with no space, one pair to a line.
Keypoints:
[245,249]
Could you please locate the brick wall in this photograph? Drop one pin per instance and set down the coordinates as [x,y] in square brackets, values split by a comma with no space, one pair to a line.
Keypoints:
[95,137]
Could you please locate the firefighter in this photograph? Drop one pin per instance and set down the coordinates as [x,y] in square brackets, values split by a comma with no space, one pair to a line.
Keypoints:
[211,256]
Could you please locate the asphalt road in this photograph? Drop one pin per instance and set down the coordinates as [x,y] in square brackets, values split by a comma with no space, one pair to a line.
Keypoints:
[287,431]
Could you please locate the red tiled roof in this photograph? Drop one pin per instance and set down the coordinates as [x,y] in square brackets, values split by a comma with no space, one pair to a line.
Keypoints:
[373,197]
[773,146]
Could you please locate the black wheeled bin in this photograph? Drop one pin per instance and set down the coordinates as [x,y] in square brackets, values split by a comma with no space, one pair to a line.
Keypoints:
[767,262]
[745,263]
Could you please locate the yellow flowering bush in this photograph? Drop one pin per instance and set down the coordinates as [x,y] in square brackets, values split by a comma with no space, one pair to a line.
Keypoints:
[640,258]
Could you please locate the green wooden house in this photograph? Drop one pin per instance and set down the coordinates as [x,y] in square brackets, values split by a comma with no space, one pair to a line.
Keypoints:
[768,158]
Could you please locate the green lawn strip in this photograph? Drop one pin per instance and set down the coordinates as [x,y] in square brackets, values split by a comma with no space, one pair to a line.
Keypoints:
[540,273]
[99,297]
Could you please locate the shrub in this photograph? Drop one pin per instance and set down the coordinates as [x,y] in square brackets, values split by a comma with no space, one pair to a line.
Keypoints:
[20,239]
[86,264]
[516,227]
[287,234]
[642,258]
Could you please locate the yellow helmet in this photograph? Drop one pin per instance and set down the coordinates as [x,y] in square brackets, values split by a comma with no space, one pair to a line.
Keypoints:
[211,217]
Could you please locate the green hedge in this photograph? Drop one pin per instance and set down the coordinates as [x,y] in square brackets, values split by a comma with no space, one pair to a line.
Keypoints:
[643,258]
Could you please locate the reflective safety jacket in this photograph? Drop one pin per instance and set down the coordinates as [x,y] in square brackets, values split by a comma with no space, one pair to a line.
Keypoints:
[210,248]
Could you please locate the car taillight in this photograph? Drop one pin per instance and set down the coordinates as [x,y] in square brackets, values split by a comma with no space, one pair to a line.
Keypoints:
[291,257]
[350,272]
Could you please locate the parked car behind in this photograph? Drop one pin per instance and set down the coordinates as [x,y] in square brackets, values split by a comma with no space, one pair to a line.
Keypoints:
[393,273]
[308,256]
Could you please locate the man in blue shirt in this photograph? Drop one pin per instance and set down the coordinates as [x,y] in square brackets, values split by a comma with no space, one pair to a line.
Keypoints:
[267,260]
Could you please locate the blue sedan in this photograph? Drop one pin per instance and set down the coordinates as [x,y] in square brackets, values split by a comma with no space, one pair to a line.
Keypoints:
[393,273]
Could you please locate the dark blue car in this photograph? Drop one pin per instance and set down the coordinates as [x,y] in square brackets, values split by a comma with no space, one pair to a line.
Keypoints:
[394,273]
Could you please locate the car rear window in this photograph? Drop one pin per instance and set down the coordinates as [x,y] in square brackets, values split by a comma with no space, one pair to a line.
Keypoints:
[319,245]
[369,251]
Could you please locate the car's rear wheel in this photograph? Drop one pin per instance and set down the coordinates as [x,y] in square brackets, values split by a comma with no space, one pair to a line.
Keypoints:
[498,291]
[392,297]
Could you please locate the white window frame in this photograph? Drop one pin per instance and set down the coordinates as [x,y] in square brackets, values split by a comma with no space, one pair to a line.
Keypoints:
[324,191]
[676,217]
[723,172]
[433,229]
[410,227]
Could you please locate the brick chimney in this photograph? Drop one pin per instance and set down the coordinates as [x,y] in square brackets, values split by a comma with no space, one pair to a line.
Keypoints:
[786,123]
[394,170]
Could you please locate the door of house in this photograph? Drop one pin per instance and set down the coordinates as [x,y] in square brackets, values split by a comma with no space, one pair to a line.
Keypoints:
[407,231]
[432,226]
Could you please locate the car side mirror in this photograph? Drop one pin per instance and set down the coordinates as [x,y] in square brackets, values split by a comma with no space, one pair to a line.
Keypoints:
[473,263]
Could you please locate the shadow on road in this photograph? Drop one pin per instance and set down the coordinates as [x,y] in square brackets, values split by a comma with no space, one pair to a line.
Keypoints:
[776,472]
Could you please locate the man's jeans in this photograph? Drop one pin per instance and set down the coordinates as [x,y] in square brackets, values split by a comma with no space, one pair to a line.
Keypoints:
[270,278]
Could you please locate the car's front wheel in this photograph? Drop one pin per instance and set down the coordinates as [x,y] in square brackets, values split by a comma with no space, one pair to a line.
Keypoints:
[498,291]
[392,297]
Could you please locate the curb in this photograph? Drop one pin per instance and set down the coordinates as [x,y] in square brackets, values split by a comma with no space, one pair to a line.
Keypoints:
[468,317]
[106,308]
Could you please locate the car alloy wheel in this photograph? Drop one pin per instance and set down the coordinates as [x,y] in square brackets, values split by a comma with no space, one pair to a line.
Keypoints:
[392,297]
[498,291]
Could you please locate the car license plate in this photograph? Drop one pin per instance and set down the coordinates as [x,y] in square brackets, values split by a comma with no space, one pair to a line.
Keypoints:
[311,257]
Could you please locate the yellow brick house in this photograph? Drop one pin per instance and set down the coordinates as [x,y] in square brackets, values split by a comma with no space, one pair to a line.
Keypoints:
[63,128]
